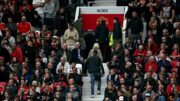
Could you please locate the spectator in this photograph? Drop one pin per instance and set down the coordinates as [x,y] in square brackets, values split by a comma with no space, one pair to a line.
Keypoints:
[148,93]
[74,90]
[113,77]
[73,94]
[152,73]
[64,52]
[94,65]
[152,46]
[14,14]
[114,64]
[136,92]
[62,66]
[95,47]
[151,63]
[176,37]
[12,26]
[148,73]
[161,93]
[26,12]
[139,54]
[78,54]
[164,63]
[167,25]
[117,50]
[102,33]
[29,50]
[171,86]
[23,26]
[78,26]
[126,56]
[4,72]
[128,44]
[109,91]
[17,52]
[14,66]
[49,14]
[61,21]
[71,36]
[38,6]
[9,37]
[167,10]
[36,21]
[153,37]
[136,27]
[117,31]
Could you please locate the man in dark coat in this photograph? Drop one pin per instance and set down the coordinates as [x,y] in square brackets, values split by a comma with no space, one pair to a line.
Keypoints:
[77,53]
[61,21]
[135,26]
[94,65]
[117,31]
[102,36]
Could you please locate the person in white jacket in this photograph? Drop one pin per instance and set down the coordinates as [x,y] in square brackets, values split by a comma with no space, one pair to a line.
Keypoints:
[63,65]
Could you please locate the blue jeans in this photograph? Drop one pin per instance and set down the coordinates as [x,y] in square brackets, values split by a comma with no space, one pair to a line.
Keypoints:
[95,77]
[161,98]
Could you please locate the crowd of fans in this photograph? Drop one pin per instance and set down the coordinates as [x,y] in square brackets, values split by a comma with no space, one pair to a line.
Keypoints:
[43,52]
[147,68]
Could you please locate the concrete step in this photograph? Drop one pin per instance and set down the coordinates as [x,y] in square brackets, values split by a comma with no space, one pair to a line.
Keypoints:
[87,87]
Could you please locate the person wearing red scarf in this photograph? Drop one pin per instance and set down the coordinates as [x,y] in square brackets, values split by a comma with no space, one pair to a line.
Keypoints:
[151,63]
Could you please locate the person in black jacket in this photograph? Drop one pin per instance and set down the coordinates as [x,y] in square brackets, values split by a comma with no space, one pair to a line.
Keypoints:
[102,33]
[30,52]
[61,21]
[135,25]
[117,31]
[78,56]
[110,92]
[5,54]
[94,65]
[4,72]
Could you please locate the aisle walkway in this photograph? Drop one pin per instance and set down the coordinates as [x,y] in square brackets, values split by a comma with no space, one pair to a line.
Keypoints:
[87,90]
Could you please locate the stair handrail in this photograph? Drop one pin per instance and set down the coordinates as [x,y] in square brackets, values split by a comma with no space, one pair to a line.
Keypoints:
[103,2]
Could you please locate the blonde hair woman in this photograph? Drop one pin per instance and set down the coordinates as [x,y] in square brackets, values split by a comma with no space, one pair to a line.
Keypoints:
[95,47]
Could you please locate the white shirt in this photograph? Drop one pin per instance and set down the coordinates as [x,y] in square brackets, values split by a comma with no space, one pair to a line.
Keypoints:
[39,9]
[66,67]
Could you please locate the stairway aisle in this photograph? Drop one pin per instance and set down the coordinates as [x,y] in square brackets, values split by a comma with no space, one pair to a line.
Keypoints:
[86,96]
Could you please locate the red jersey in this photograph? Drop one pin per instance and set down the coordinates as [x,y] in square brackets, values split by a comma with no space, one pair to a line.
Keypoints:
[18,54]
[140,54]
[24,27]
[154,66]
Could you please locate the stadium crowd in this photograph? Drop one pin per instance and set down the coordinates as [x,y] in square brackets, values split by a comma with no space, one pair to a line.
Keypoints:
[44,53]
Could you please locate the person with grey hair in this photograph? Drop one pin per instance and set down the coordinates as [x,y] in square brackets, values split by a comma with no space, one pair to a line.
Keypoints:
[95,47]
[63,66]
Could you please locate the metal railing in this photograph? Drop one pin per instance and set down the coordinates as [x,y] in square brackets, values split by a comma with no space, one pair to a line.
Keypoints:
[102,3]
